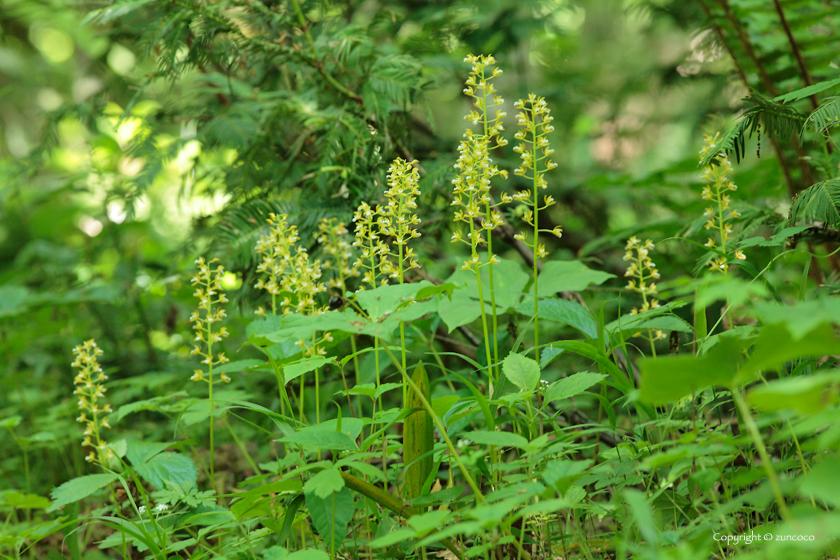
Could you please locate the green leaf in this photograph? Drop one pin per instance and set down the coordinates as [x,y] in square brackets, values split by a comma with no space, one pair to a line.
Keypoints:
[560,276]
[239,365]
[808,91]
[324,483]
[642,515]
[775,346]
[733,290]
[560,474]
[387,299]
[572,385]
[170,466]
[295,370]
[429,291]
[459,310]
[308,554]
[331,515]
[19,500]
[801,318]
[563,311]
[79,488]
[521,371]
[807,395]
[668,379]
[818,203]
[321,438]
[821,481]
[13,300]
[502,439]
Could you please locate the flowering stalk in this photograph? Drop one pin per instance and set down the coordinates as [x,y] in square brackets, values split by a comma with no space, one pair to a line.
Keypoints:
[332,236]
[302,280]
[397,219]
[642,270]
[534,149]
[90,389]
[209,292]
[718,215]
[276,250]
[373,251]
[472,186]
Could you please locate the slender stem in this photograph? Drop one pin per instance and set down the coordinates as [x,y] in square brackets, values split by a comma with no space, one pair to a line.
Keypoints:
[762,451]
[479,497]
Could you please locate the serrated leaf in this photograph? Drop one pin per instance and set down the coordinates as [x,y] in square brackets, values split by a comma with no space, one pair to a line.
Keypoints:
[79,488]
[331,515]
[572,385]
[324,483]
[167,466]
[521,371]
[563,311]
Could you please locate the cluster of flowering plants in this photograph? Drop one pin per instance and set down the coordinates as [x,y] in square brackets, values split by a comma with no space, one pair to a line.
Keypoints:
[555,437]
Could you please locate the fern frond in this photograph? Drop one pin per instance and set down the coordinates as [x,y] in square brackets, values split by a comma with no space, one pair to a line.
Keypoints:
[778,119]
[825,116]
[818,203]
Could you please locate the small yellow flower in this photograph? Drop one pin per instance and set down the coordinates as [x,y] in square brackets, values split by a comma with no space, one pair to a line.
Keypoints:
[721,212]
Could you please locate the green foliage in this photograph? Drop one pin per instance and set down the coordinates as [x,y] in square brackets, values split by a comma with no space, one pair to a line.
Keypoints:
[144,134]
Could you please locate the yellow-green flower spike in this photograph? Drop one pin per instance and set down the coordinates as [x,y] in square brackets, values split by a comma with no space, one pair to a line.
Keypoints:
[720,214]
[642,272]
[398,218]
[209,313]
[332,235]
[276,249]
[90,389]
[479,86]
[373,248]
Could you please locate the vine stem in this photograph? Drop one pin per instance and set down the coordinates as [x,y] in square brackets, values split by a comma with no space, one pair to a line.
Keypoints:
[762,451]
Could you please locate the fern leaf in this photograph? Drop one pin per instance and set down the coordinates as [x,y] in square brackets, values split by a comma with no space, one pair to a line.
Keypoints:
[818,203]
[825,116]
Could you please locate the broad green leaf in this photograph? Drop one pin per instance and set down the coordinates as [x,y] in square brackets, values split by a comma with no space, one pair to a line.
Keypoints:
[560,474]
[670,378]
[563,311]
[425,522]
[560,276]
[324,483]
[295,370]
[521,371]
[775,346]
[548,354]
[502,439]
[250,506]
[801,318]
[572,385]
[79,488]
[733,290]
[460,310]
[331,515]
[821,481]
[386,299]
[170,466]
[13,300]
[322,438]
[807,394]
[429,291]
[19,500]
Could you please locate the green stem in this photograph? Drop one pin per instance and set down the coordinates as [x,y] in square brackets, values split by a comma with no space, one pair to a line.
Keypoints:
[479,497]
[762,451]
